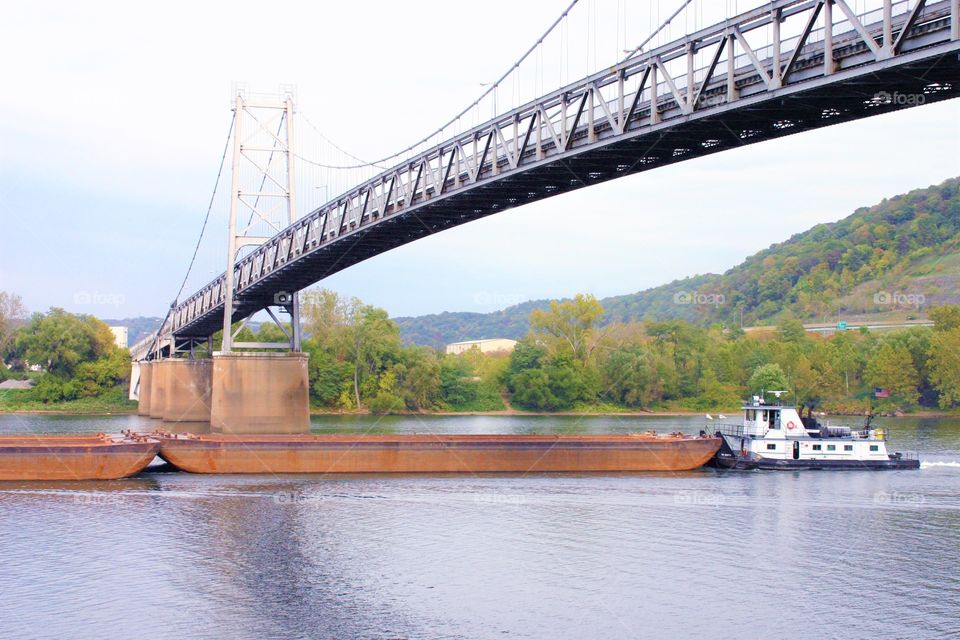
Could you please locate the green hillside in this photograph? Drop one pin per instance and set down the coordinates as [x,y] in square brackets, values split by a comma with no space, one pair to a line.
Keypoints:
[890,261]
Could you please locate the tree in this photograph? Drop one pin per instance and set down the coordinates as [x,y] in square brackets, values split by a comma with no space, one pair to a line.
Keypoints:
[630,376]
[768,377]
[685,344]
[568,326]
[791,330]
[944,366]
[324,313]
[327,375]
[457,385]
[369,340]
[12,312]
[946,317]
[419,377]
[845,358]
[386,399]
[78,354]
[892,368]
[567,382]
[531,389]
[59,341]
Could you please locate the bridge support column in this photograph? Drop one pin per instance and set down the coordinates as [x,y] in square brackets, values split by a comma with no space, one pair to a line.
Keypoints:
[158,389]
[260,393]
[188,391]
[146,378]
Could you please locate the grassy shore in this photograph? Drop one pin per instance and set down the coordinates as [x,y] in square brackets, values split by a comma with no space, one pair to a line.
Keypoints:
[25,401]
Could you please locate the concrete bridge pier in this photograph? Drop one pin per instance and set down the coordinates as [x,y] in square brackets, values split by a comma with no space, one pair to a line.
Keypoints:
[146,378]
[260,393]
[158,388]
[187,394]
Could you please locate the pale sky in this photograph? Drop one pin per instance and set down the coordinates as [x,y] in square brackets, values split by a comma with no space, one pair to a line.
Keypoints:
[113,118]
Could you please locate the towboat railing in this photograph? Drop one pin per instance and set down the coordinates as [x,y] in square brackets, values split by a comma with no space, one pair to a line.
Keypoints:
[732,430]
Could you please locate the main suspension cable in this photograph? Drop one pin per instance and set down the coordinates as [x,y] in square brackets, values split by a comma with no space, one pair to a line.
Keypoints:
[493,87]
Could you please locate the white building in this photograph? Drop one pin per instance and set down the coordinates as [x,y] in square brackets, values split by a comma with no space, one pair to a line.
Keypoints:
[491,345]
[120,336]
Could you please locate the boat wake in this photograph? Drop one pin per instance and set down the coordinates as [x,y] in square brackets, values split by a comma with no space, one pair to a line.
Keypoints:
[933,465]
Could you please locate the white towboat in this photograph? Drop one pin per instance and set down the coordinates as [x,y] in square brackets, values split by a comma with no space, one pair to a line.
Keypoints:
[773,436]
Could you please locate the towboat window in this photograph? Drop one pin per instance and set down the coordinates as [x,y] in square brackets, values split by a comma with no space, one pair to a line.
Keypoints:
[817,447]
[771,447]
[874,447]
[848,447]
[831,447]
[751,415]
[772,418]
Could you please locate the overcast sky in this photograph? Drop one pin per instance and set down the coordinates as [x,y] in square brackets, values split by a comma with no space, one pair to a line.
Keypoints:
[113,119]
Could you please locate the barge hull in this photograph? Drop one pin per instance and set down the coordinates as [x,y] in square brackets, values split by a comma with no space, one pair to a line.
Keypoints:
[336,454]
[72,458]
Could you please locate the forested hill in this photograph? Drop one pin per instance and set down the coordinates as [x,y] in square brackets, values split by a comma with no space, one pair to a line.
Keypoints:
[889,261]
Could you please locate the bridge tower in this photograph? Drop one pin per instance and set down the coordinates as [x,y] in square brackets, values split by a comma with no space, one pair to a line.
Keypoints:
[260,391]
[262,198]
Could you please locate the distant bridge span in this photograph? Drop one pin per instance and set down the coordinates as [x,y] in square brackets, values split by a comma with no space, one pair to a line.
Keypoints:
[651,110]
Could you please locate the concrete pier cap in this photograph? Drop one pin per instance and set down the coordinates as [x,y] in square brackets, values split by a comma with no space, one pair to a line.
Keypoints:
[260,393]
[188,386]
[146,378]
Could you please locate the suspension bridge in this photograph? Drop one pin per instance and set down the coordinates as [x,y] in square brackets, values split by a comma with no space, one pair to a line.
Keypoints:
[784,67]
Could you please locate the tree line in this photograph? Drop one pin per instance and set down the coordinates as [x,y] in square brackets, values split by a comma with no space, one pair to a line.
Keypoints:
[568,361]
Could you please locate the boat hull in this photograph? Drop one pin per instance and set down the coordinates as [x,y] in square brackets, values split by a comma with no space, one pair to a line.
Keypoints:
[791,465]
[435,453]
[43,457]
[730,456]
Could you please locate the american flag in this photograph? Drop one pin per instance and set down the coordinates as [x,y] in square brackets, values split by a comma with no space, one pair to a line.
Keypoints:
[881,393]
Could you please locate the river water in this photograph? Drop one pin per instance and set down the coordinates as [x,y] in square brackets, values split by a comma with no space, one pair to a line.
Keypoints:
[807,554]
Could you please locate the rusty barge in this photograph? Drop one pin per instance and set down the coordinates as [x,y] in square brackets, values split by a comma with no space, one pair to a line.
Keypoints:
[74,457]
[435,453]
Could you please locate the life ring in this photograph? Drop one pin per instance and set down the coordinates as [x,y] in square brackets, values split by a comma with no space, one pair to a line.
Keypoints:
[791,425]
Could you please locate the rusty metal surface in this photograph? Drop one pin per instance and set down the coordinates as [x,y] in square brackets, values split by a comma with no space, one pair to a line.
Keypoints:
[425,453]
[74,457]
